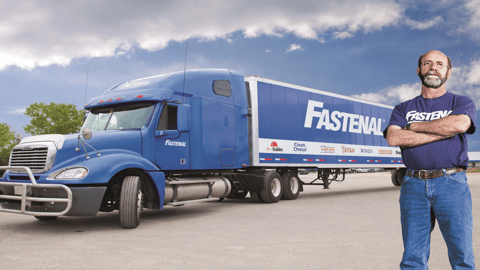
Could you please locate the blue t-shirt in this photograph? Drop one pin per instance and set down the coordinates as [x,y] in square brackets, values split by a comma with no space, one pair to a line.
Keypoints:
[441,154]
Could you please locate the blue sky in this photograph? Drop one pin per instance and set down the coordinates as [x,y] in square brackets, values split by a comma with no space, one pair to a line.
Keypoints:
[365,48]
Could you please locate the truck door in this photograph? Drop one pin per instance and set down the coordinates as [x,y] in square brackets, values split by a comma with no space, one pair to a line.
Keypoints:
[172,137]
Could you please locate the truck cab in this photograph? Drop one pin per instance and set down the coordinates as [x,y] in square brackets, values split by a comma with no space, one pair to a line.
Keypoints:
[140,139]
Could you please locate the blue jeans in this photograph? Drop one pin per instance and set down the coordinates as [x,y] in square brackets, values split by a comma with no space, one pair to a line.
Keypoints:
[446,199]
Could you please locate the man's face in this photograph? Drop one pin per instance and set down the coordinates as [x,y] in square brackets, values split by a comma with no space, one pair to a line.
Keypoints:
[434,71]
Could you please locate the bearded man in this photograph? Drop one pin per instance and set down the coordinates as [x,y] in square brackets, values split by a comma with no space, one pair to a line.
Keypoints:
[431,132]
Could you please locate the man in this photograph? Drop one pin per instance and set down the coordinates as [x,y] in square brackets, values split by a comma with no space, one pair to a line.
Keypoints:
[431,131]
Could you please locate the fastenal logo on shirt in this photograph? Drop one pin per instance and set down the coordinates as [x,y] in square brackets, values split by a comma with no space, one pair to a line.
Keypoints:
[337,120]
[413,116]
[174,143]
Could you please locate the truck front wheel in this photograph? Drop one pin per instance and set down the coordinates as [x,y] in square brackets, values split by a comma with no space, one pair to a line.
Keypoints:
[290,185]
[272,187]
[131,202]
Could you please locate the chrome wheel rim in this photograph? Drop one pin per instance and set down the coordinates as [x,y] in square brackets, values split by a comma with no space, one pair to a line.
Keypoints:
[294,185]
[276,187]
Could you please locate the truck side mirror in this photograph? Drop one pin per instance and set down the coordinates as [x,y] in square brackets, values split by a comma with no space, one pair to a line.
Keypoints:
[183,118]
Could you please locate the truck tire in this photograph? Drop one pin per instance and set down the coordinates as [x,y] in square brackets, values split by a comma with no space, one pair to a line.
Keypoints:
[237,195]
[256,197]
[131,202]
[291,185]
[396,180]
[272,187]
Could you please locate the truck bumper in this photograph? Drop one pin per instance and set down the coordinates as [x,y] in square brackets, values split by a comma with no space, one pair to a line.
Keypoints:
[49,199]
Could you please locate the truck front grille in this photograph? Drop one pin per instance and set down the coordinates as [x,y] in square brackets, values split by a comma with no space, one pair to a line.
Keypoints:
[33,157]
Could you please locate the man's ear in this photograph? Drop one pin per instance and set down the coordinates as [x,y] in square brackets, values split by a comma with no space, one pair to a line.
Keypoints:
[418,70]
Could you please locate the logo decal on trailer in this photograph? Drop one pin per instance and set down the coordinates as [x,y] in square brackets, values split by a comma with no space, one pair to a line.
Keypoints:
[275,147]
[299,147]
[348,149]
[327,149]
[337,120]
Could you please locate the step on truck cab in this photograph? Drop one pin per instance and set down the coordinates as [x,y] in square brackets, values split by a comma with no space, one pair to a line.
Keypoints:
[191,136]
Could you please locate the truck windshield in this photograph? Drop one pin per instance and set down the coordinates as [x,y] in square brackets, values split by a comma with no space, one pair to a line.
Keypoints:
[119,118]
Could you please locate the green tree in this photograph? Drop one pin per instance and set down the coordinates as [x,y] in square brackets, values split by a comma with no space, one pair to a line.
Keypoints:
[7,142]
[53,118]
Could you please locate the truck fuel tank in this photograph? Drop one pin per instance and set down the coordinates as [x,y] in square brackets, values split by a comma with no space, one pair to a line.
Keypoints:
[182,190]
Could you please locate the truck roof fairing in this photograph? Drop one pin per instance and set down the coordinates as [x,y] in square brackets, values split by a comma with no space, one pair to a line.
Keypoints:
[162,87]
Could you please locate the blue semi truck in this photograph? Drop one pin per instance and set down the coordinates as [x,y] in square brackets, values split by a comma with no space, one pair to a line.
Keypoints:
[192,136]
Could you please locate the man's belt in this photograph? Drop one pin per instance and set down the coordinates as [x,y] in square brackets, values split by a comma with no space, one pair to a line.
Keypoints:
[426,174]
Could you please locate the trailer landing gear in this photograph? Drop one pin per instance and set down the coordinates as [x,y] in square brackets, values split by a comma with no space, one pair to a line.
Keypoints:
[327,176]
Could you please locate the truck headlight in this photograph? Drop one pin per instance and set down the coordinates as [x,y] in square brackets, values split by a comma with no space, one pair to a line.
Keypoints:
[69,173]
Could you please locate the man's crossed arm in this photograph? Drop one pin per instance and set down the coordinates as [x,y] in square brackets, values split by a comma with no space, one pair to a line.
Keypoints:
[426,132]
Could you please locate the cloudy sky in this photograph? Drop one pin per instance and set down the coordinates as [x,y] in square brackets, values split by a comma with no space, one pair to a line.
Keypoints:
[363,48]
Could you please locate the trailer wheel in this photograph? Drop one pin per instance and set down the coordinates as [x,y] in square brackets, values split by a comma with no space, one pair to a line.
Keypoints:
[131,202]
[291,185]
[256,197]
[272,187]
[396,180]
[45,218]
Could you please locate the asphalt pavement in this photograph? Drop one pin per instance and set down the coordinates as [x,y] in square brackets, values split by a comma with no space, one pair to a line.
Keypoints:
[353,225]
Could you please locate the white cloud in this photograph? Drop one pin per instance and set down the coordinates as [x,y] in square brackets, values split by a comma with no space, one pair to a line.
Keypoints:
[393,95]
[424,25]
[474,7]
[42,33]
[268,51]
[15,110]
[295,47]
[342,35]
[464,81]
[472,15]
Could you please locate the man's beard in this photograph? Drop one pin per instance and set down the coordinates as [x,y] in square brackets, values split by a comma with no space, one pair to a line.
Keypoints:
[432,80]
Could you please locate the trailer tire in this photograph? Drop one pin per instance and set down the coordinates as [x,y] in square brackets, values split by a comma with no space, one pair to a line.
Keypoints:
[396,180]
[131,202]
[256,197]
[291,185]
[272,187]
[43,218]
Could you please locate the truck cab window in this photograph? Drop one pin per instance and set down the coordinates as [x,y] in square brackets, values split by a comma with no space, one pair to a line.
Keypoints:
[168,118]
[222,88]
[119,118]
